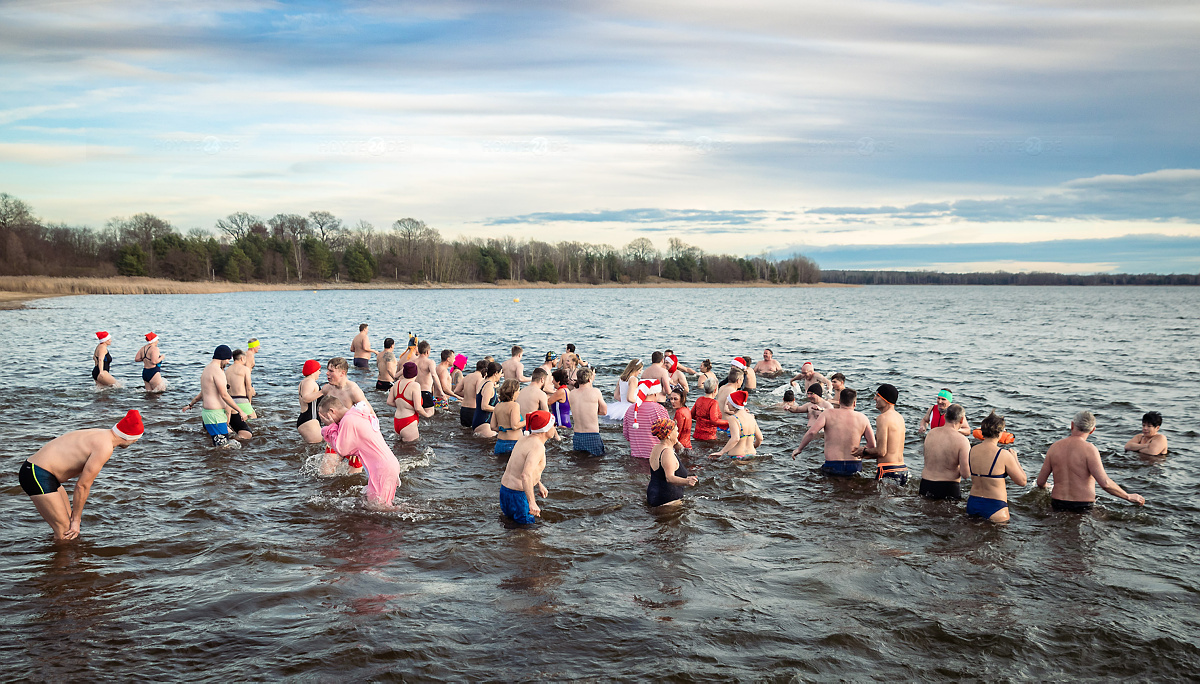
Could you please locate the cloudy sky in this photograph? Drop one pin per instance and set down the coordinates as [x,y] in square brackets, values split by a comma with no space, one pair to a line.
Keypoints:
[859,132]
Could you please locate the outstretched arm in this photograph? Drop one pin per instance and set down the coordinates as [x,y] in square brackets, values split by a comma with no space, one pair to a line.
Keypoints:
[1096,470]
[813,430]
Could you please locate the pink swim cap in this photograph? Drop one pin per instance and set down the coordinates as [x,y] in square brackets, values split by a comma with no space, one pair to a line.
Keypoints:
[460,361]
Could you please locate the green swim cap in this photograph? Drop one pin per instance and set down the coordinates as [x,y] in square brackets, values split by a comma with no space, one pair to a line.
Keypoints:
[945,394]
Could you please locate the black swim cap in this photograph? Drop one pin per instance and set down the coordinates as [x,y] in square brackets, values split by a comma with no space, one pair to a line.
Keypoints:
[223,353]
[816,389]
[888,392]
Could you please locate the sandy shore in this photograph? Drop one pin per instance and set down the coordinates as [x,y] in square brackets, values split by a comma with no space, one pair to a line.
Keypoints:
[16,290]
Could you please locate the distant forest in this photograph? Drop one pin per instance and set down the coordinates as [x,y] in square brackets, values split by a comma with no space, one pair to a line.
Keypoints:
[320,247]
[1001,278]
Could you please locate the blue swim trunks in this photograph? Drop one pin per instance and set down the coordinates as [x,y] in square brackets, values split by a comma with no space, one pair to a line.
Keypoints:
[515,505]
[844,468]
[984,507]
[589,442]
[504,446]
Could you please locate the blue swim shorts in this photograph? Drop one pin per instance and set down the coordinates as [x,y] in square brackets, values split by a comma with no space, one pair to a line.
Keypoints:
[515,505]
[589,442]
[844,468]
[504,446]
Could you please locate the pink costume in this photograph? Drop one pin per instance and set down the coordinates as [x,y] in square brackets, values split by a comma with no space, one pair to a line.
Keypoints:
[358,433]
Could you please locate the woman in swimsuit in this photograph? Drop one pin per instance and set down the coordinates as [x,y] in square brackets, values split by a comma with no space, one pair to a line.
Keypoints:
[626,391]
[560,405]
[706,372]
[151,360]
[405,395]
[506,418]
[744,435]
[486,400]
[990,464]
[668,477]
[310,395]
[102,360]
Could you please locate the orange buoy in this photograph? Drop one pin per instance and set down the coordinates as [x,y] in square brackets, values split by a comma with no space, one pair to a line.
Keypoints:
[1005,437]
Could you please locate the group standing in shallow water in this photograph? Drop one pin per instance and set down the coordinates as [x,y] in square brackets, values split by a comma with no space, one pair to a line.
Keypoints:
[561,393]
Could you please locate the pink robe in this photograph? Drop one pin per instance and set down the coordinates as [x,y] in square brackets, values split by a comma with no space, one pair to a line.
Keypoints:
[355,434]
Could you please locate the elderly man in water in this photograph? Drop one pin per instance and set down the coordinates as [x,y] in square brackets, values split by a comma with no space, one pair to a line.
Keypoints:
[947,454]
[807,376]
[81,453]
[1075,465]
[523,473]
[768,365]
[936,415]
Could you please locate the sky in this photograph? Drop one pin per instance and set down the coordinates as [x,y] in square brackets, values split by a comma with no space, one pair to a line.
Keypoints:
[954,136]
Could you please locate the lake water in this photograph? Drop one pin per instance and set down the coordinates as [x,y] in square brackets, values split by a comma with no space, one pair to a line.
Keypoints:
[217,565]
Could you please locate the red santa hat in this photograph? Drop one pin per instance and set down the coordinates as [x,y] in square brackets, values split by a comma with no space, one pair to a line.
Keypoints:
[674,363]
[738,363]
[130,427]
[150,337]
[737,399]
[538,421]
[103,337]
[807,363]
[644,389]
[311,366]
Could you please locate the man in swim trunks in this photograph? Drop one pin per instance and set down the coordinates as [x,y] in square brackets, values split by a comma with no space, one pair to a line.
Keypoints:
[468,389]
[768,365]
[513,369]
[889,437]
[360,347]
[427,377]
[533,397]
[151,360]
[386,362]
[215,398]
[237,381]
[936,415]
[444,374]
[80,453]
[524,471]
[405,395]
[337,385]
[844,429]
[1149,442]
[809,376]
[587,405]
[947,454]
[1075,465]
[354,433]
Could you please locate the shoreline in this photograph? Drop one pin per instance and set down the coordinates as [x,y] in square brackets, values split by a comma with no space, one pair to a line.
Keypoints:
[16,290]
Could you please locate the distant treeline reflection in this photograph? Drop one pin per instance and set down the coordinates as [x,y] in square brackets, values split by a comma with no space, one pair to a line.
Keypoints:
[319,247]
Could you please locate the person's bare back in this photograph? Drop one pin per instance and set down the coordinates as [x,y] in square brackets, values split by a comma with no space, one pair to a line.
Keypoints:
[1075,465]
[532,397]
[587,405]
[946,452]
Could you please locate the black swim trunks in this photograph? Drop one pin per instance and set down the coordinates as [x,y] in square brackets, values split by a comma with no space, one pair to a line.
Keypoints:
[37,481]
[1071,506]
[383,385]
[427,400]
[937,489]
[465,416]
[236,422]
[362,363]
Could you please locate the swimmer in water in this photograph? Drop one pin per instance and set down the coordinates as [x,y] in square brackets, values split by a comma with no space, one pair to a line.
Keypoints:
[386,362]
[744,435]
[657,371]
[405,395]
[989,464]
[506,419]
[706,373]
[252,348]
[337,385]
[360,347]
[307,422]
[1075,465]
[237,381]
[947,454]
[427,377]
[102,360]
[81,453]
[668,353]
[676,373]
[468,388]
[768,365]
[523,474]
[533,397]
[668,477]
[889,438]
[706,414]
[215,398]
[682,417]
[513,369]
[1149,442]
[352,433]
[551,362]
[558,387]
[750,383]
[151,360]
[731,383]
[809,376]
[815,405]
[587,405]
[936,415]
[789,403]
[837,383]
[486,399]
[445,376]
[844,429]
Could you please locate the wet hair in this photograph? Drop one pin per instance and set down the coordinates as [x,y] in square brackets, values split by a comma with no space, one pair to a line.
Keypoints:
[954,416]
[838,376]
[516,350]
[682,392]
[789,395]
[493,368]
[481,365]
[584,375]
[570,347]
[1084,421]
[423,347]
[446,354]
[710,386]
[336,363]
[656,357]
[1153,419]
[631,368]
[735,377]
[848,398]
[990,428]
[237,354]
[509,389]
[560,376]
[362,327]
[706,365]
[388,343]
[537,374]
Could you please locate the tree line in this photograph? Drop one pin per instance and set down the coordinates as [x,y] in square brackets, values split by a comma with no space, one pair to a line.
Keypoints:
[320,247]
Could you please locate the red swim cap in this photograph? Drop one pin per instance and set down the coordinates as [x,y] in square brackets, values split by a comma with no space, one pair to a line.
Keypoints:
[311,367]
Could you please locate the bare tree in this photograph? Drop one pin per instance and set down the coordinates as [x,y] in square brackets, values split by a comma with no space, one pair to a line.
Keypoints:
[294,227]
[142,229]
[410,231]
[238,225]
[328,228]
[14,213]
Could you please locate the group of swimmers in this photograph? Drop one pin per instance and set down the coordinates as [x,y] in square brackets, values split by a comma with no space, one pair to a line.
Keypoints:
[521,413]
